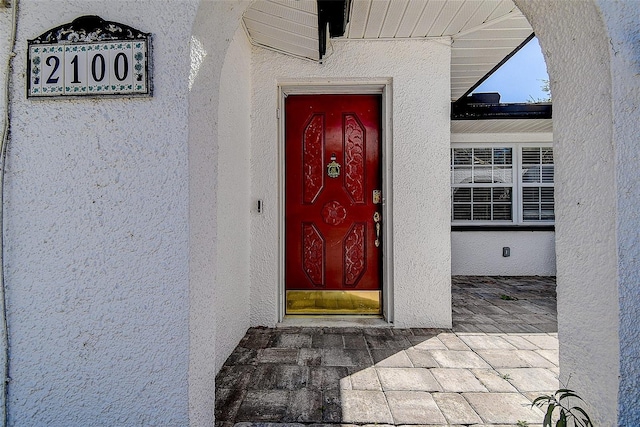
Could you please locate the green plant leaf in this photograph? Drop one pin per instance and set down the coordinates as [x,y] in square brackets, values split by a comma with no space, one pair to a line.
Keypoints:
[541,400]
[569,393]
[586,419]
[562,421]
[548,415]
[574,416]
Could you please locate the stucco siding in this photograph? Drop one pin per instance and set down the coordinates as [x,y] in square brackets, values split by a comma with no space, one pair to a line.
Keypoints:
[479,253]
[214,147]
[233,204]
[574,43]
[115,231]
[5,49]
[97,237]
[622,19]
[420,144]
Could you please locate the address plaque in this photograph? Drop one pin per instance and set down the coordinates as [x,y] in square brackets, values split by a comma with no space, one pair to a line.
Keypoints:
[89,57]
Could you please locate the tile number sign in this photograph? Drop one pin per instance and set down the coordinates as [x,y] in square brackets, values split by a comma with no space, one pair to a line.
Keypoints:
[83,66]
[88,69]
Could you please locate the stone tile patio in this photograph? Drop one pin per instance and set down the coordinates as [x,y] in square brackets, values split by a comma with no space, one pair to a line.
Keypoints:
[501,353]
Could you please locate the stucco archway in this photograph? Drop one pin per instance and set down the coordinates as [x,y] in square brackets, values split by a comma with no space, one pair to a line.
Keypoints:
[570,50]
[595,101]
[219,88]
[589,54]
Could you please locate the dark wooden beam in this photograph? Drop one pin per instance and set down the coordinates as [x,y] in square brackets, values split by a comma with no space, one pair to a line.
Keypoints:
[487,111]
[333,16]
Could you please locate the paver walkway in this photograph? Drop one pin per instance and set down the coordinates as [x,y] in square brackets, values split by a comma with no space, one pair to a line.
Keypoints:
[501,354]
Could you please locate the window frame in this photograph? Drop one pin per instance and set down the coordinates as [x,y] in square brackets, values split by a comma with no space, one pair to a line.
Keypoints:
[517,186]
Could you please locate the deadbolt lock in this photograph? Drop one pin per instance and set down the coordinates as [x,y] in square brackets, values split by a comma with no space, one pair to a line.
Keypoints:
[377,197]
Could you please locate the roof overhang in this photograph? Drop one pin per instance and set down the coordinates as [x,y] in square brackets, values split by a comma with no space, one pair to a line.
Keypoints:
[486,111]
[483,33]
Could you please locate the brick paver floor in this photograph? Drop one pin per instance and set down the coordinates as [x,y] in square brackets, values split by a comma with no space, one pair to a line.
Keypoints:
[501,354]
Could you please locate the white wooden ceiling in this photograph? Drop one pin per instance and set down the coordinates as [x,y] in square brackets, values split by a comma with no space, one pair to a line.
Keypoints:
[483,32]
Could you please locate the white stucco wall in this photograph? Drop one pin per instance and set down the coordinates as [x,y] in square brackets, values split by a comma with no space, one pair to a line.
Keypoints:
[622,20]
[421,263]
[97,236]
[575,44]
[5,48]
[98,292]
[218,149]
[479,253]
[233,204]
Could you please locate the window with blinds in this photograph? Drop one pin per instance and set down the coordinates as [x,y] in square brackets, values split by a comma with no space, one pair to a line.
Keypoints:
[481,181]
[502,183]
[537,184]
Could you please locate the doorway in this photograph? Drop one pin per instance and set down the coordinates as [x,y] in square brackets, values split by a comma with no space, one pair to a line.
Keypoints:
[333,204]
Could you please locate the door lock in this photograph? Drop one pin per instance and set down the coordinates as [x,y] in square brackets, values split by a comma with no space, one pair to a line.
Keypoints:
[377,197]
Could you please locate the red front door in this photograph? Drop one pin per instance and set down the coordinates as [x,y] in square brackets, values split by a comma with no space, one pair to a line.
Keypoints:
[333,202]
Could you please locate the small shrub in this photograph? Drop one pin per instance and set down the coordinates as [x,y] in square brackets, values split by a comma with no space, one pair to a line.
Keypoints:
[568,414]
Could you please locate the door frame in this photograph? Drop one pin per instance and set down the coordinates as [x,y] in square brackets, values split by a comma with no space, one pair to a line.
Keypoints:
[383,87]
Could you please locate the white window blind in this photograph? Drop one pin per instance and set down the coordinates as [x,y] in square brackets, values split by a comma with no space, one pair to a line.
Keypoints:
[482,183]
[505,183]
[537,184]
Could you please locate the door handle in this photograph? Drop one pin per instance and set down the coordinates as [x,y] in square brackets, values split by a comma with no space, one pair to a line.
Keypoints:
[376,220]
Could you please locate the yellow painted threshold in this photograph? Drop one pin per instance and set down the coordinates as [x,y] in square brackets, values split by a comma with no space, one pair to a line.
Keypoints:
[334,302]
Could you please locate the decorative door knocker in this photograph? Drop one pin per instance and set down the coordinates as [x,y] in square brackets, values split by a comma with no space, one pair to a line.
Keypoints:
[333,168]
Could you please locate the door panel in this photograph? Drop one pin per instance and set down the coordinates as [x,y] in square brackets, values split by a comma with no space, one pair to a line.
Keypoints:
[333,166]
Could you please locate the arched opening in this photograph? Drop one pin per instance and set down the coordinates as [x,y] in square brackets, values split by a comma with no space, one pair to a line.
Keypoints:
[219,110]
[575,41]
[586,264]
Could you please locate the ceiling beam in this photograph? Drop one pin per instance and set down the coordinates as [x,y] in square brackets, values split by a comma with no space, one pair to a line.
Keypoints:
[492,111]
[333,16]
